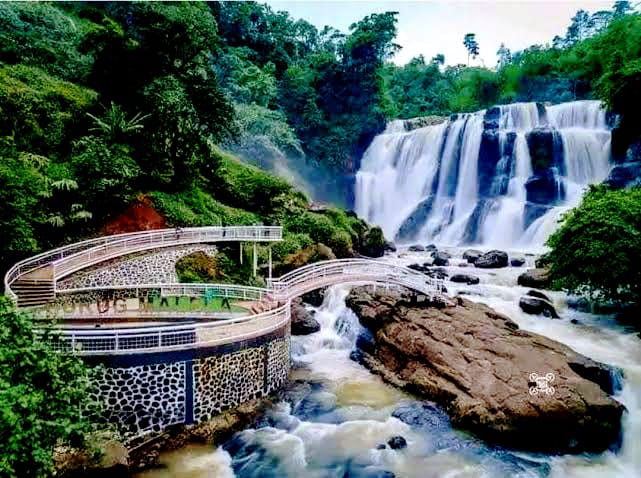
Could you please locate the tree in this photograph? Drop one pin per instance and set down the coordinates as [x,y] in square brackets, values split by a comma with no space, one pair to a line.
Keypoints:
[504,56]
[43,395]
[472,46]
[439,59]
[593,252]
[621,7]
[579,28]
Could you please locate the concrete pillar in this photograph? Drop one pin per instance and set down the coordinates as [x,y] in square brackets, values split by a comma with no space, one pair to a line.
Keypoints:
[255,260]
[240,248]
[270,261]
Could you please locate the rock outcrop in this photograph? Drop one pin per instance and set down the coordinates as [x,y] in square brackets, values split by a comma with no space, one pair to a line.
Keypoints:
[536,278]
[479,366]
[303,323]
[465,279]
[537,306]
[492,260]
[471,255]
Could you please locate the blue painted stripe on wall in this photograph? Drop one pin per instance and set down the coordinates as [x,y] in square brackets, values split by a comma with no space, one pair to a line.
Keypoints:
[189,392]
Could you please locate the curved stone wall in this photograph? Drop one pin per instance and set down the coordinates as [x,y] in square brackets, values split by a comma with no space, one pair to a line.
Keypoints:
[148,392]
[157,266]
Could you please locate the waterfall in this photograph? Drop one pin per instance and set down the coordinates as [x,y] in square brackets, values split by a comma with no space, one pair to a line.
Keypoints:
[499,177]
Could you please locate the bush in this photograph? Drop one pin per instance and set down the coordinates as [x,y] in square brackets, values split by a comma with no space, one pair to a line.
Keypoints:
[290,244]
[198,267]
[42,393]
[595,252]
[195,207]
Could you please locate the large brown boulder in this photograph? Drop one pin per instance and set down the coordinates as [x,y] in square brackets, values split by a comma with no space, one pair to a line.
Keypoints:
[478,365]
[537,278]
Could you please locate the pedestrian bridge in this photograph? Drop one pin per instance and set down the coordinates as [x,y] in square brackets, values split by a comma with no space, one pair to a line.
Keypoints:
[32,283]
[167,355]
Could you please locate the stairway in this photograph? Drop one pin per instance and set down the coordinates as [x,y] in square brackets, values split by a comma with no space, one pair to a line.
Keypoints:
[33,292]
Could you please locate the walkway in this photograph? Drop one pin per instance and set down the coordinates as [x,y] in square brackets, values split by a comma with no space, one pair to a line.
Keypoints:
[201,325]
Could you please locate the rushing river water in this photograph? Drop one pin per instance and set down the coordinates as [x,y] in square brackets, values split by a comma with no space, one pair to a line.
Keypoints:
[340,414]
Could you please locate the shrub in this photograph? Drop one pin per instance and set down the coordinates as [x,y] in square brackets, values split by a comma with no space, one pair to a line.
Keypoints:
[290,244]
[198,267]
[596,250]
[41,395]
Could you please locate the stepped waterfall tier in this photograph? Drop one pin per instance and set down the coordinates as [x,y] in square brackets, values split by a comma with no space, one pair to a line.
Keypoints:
[498,177]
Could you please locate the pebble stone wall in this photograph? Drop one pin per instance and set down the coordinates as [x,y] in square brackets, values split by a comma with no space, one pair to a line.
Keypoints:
[156,266]
[191,386]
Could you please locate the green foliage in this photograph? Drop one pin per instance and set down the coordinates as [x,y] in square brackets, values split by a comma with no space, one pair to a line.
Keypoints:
[195,207]
[198,267]
[595,250]
[245,186]
[40,112]
[291,243]
[42,393]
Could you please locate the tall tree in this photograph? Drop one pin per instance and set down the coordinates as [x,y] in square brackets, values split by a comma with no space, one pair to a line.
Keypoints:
[472,46]
[504,56]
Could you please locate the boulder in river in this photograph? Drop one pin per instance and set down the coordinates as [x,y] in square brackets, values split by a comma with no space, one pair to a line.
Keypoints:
[303,323]
[492,260]
[397,443]
[465,279]
[517,261]
[537,306]
[480,367]
[416,248]
[441,258]
[389,246]
[540,295]
[471,255]
[431,248]
[537,278]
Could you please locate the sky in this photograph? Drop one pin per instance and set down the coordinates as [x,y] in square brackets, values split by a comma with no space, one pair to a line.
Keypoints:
[432,27]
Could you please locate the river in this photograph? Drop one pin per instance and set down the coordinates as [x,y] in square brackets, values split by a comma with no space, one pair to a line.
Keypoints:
[340,415]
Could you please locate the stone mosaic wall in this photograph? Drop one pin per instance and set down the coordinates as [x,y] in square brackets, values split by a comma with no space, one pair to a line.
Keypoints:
[145,398]
[156,266]
[148,398]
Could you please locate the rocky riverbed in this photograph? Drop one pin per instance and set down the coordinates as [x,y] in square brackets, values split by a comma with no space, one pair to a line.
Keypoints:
[478,365]
[337,418]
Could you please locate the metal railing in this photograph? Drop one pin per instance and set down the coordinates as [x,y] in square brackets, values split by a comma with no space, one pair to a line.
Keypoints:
[68,259]
[350,271]
[123,340]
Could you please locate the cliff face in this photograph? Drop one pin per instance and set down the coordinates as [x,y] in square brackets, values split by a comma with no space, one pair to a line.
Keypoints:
[491,377]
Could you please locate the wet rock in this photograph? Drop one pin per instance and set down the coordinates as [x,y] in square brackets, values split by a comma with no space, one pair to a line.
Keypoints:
[606,376]
[540,295]
[303,323]
[545,188]
[536,278]
[471,255]
[517,261]
[381,446]
[397,443]
[314,298]
[537,306]
[416,248]
[624,176]
[492,260]
[465,279]
[477,363]
[441,258]
[389,246]
[431,248]
[429,270]
[416,220]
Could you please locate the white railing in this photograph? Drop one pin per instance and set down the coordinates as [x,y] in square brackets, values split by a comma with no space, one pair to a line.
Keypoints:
[73,257]
[350,271]
[123,340]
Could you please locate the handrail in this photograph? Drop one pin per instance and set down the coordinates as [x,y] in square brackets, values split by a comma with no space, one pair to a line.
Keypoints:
[167,338]
[141,239]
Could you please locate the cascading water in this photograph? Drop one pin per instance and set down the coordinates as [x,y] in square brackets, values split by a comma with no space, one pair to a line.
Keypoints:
[498,178]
